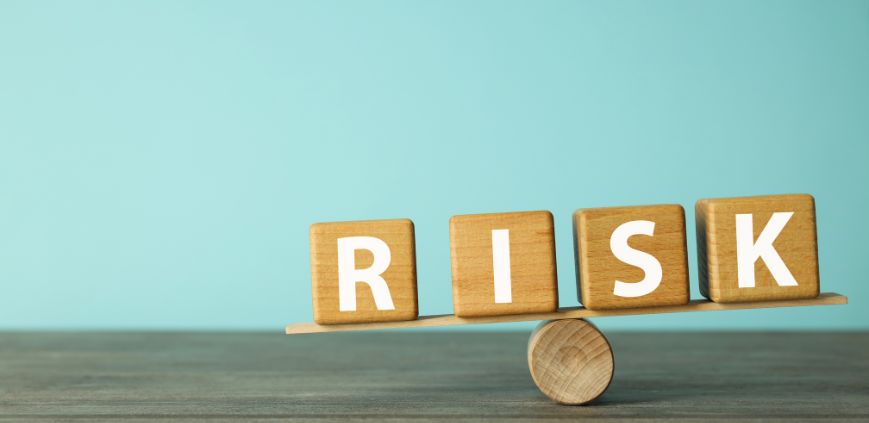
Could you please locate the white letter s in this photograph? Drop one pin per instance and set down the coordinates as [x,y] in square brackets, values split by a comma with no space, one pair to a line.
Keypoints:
[650,265]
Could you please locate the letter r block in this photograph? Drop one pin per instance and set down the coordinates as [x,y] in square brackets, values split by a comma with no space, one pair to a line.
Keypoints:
[628,257]
[363,271]
[757,248]
[503,263]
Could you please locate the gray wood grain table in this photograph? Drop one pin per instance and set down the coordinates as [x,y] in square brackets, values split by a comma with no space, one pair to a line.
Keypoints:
[422,376]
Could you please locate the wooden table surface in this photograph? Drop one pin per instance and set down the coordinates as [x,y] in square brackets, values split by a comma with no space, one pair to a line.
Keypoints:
[429,375]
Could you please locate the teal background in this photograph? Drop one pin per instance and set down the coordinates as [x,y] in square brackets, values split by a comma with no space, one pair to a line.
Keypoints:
[160,161]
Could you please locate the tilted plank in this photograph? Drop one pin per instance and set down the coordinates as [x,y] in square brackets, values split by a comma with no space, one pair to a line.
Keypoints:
[828,298]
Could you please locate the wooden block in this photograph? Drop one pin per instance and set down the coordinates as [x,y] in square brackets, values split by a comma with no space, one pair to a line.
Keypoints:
[376,259]
[631,256]
[757,248]
[520,276]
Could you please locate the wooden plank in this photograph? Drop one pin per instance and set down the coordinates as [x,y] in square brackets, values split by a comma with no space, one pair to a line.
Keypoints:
[828,298]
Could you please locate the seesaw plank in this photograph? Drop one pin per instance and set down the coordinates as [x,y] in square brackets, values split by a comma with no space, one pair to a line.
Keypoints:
[828,298]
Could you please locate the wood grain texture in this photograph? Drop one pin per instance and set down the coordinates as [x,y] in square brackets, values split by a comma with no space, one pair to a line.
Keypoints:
[796,245]
[400,276]
[570,360]
[532,263]
[598,268]
[566,313]
[426,376]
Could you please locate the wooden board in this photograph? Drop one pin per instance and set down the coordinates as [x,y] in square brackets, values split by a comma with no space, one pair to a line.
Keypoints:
[828,298]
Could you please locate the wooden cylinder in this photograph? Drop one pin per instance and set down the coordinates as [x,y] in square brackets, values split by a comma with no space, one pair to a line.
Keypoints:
[570,360]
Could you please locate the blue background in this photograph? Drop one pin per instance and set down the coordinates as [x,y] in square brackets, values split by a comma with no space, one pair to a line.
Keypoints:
[160,161]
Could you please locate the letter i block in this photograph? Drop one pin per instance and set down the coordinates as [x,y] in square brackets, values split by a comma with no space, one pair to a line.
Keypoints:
[630,257]
[363,271]
[757,248]
[503,263]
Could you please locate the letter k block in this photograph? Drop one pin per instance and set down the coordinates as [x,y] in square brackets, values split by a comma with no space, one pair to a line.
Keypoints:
[363,271]
[757,248]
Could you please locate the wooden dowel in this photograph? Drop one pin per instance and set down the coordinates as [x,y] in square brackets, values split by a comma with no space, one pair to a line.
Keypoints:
[570,360]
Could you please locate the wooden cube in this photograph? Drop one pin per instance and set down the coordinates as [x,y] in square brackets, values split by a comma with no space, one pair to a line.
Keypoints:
[503,263]
[363,271]
[631,256]
[757,248]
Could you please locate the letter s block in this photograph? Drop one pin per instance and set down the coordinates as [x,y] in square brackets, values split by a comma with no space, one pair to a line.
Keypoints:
[503,263]
[363,271]
[757,248]
[629,257]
